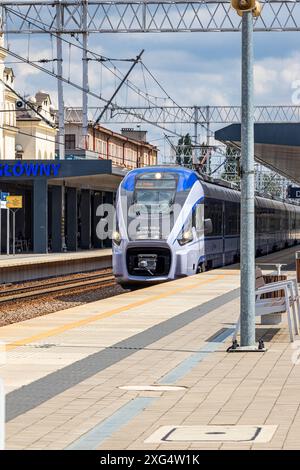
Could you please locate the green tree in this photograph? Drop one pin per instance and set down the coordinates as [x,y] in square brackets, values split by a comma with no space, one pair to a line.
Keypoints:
[184,151]
[231,171]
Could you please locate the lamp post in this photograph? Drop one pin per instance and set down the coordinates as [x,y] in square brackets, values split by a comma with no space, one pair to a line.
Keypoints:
[247,9]
[2,414]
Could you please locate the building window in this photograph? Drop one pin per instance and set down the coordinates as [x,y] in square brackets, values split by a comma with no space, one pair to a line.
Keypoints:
[103,151]
[99,147]
[12,114]
[70,141]
[7,117]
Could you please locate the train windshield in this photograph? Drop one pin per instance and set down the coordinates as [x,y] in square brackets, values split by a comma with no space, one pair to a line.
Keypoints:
[155,191]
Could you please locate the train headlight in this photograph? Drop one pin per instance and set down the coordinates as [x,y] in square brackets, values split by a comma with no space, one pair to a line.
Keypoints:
[116,236]
[186,237]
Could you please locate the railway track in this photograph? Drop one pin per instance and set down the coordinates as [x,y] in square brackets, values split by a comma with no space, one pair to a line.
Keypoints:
[38,290]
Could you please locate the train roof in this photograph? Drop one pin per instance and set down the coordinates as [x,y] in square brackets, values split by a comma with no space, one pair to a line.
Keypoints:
[211,189]
[186,178]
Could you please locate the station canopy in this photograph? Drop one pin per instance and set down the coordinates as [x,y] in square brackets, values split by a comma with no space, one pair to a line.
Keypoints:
[276,146]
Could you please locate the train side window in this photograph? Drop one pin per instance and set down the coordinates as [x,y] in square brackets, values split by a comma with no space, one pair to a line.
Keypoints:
[258,220]
[231,218]
[213,210]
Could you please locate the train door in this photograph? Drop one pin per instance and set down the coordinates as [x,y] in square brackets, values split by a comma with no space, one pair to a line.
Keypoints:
[198,230]
[223,234]
[215,240]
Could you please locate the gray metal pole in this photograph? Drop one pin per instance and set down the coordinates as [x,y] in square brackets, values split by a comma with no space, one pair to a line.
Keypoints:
[247,188]
[85,74]
[0,228]
[2,414]
[60,90]
[61,108]
[207,125]
[196,121]
[7,231]
[208,164]
[14,232]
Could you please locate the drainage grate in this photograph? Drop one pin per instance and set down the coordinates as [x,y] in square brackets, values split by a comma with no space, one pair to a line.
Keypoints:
[253,433]
[152,388]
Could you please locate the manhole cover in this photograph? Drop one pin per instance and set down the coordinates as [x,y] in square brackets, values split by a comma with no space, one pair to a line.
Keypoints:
[152,388]
[253,433]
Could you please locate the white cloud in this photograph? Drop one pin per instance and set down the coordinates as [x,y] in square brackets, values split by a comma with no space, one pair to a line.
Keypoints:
[274,79]
[195,69]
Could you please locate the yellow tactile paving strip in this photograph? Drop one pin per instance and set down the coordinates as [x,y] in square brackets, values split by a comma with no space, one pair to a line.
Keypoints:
[107,314]
[77,332]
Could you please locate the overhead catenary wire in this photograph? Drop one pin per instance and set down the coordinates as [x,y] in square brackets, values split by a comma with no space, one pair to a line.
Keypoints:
[43,27]
[28,46]
[169,97]
[109,155]
[130,84]
[138,58]
[39,61]
[79,87]
[103,59]
[52,52]
[96,56]
[8,51]
[32,135]
[30,105]
[69,64]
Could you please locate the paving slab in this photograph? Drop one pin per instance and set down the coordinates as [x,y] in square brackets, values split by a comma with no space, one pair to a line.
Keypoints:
[168,330]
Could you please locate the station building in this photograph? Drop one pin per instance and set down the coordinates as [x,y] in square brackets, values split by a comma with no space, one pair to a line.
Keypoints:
[60,200]
[60,197]
[128,149]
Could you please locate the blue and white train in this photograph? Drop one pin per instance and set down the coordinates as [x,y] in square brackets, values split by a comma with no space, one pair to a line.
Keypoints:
[170,223]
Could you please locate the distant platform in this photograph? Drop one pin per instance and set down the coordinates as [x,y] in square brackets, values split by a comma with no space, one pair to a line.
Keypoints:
[37,266]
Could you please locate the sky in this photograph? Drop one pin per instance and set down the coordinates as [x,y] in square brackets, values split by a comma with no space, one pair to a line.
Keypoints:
[194,68]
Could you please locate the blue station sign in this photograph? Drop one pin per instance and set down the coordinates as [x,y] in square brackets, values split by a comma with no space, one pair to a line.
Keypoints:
[30,170]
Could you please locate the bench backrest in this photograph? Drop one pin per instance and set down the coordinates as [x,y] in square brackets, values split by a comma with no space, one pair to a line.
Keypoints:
[259,279]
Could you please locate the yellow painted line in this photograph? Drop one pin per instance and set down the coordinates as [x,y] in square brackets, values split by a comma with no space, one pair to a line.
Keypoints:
[100,316]
[228,271]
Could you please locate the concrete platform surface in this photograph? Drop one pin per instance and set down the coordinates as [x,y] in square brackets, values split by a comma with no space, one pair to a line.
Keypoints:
[27,267]
[70,375]
[25,259]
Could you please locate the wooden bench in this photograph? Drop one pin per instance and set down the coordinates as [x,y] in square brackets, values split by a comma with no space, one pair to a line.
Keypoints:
[284,299]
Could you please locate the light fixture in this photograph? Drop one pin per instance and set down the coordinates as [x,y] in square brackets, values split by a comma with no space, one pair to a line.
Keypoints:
[116,236]
[19,148]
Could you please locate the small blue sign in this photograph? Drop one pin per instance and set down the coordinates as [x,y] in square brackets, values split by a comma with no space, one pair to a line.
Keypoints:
[3,196]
